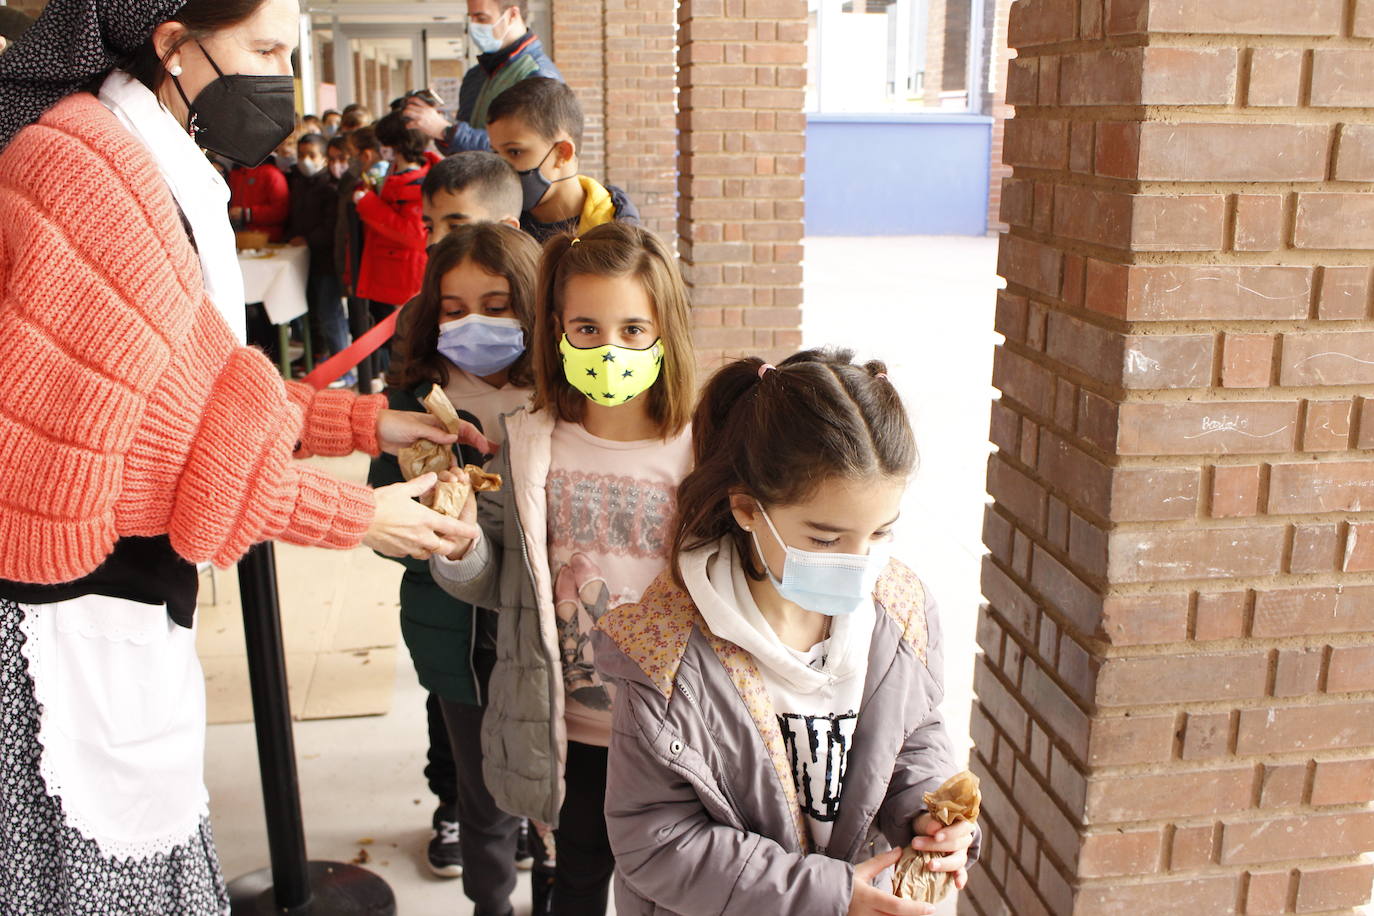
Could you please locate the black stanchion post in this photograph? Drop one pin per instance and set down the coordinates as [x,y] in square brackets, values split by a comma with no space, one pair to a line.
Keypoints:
[360,322]
[292,886]
[272,722]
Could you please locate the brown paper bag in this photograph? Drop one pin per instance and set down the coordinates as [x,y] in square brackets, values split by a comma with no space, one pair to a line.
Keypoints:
[438,404]
[450,496]
[957,800]
[423,457]
[482,481]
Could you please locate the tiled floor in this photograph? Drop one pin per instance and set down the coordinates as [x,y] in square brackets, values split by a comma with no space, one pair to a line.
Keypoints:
[924,305]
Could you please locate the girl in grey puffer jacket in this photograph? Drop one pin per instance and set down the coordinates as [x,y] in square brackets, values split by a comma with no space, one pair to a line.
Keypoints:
[776,720]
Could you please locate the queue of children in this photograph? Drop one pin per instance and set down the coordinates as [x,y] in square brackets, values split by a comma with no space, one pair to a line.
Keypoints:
[678,663]
[705,674]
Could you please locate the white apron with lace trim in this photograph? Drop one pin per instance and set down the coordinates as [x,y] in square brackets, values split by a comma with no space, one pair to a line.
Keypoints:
[122,722]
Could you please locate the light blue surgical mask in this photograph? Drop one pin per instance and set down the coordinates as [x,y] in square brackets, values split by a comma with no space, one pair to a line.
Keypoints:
[484,37]
[833,584]
[481,344]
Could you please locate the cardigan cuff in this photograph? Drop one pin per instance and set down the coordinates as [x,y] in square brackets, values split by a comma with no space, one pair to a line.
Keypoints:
[337,422]
[365,412]
[329,512]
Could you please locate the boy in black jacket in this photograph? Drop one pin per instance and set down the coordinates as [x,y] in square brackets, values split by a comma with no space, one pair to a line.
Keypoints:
[314,186]
[536,126]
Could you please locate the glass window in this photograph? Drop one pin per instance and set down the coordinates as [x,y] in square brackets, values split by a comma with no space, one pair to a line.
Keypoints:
[867,56]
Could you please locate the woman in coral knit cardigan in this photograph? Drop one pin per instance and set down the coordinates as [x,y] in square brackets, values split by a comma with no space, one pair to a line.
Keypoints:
[138,436]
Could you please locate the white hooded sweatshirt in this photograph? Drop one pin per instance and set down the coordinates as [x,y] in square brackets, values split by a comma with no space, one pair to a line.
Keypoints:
[816,694]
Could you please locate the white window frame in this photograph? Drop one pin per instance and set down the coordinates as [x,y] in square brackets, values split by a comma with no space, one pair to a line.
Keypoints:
[976,79]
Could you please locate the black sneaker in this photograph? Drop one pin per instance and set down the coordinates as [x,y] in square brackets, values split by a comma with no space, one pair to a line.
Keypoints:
[445,852]
[524,858]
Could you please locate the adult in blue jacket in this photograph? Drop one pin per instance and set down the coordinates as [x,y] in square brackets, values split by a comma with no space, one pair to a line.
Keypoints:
[510,52]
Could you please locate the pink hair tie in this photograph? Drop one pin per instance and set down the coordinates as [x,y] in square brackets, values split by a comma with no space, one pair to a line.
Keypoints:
[764,368]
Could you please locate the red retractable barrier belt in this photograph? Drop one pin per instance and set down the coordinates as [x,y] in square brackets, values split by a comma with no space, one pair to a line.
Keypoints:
[332,369]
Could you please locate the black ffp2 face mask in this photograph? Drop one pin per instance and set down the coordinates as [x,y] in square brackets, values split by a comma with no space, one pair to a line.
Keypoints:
[240,116]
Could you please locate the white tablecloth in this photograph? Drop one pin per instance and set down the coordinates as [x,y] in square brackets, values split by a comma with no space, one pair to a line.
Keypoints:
[277,279]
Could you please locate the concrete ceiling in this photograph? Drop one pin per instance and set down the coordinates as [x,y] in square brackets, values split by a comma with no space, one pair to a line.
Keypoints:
[377,12]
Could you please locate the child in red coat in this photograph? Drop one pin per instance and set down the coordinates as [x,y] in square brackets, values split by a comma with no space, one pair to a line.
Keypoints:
[393,263]
[259,200]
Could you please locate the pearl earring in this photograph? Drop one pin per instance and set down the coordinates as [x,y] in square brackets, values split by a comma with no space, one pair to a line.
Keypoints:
[175,71]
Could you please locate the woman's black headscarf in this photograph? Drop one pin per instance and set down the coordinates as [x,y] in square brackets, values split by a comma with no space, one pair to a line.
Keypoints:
[73,43]
[13,23]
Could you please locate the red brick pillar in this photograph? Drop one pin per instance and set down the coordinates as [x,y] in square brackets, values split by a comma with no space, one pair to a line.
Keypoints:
[741,140]
[619,56]
[935,52]
[579,50]
[1175,706]
[998,55]
[641,83]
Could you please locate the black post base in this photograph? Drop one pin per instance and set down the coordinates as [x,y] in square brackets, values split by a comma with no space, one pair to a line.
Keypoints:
[337,889]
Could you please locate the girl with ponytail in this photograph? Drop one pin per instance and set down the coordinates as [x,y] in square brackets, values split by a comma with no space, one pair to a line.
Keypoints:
[591,471]
[776,720]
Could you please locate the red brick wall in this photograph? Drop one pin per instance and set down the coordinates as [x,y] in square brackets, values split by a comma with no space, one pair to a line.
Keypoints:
[618,56]
[935,52]
[641,107]
[1175,706]
[995,103]
[742,139]
[579,50]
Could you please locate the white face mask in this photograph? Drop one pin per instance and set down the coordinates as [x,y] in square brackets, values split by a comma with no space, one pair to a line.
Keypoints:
[484,35]
[827,583]
[311,167]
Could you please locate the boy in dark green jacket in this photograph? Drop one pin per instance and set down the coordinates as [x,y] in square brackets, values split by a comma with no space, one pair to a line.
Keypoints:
[438,629]
[453,646]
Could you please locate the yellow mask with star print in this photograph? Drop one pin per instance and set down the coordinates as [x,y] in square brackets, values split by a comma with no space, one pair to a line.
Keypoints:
[611,375]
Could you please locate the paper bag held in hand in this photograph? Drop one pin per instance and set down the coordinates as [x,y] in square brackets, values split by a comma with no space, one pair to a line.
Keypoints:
[424,456]
[438,404]
[957,800]
[449,496]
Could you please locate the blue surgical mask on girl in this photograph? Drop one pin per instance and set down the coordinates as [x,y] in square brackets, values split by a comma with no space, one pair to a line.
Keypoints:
[481,344]
[833,584]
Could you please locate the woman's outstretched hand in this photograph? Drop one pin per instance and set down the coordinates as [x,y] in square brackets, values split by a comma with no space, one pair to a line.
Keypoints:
[397,429]
[403,527]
